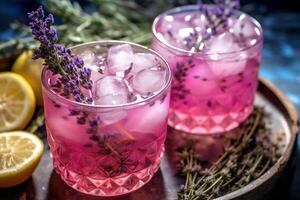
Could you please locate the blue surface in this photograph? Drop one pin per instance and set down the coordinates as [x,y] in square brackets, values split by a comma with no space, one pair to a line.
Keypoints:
[281,54]
[280,63]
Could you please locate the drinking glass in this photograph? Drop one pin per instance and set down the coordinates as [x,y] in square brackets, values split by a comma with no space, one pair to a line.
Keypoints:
[106,150]
[213,89]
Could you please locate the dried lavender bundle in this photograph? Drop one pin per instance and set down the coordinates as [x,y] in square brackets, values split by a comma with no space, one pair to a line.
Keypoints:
[245,158]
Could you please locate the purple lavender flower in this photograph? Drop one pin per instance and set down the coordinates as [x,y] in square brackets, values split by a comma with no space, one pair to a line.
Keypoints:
[234,4]
[73,75]
[217,13]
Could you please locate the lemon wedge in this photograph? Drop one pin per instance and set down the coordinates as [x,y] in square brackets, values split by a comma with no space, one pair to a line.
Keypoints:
[30,70]
[20,153]
[17,102]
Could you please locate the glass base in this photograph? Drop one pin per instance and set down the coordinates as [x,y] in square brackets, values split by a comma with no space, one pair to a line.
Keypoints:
[92,178]
[207,124]
[110,186]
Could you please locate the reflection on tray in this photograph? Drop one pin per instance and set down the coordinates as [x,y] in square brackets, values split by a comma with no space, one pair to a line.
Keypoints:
[153,190]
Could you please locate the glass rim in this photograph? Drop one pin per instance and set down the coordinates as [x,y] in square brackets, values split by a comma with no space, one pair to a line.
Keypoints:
[64,100]
[186,52]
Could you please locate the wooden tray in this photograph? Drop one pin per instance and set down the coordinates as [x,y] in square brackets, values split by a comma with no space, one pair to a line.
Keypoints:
[45,184]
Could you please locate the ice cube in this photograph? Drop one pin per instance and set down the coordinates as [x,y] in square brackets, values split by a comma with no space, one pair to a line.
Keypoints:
[176,32]
[243,26]
[112,117]
[61,118]
[148,80]
[199,22]
[95,72]
[143,61]
[183,33]
[174,26]
[223,43]
[185,38]
[201,81]
[166,23]
[111,99]
[120,58]
[227,68]
[88,57]
[148,119]
[93,62]
[111,90]
[95,75]
[69,126]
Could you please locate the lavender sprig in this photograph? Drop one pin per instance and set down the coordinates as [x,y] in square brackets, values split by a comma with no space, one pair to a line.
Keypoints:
[73,76]
[233,4]
[217,13]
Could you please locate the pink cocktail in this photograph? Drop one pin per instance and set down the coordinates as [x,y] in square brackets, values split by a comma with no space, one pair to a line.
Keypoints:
[215,77]
[113,145]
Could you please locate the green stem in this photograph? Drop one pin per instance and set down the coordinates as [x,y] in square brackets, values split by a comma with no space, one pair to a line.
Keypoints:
[216,182]
[256,164]
[83,25]
[264,169]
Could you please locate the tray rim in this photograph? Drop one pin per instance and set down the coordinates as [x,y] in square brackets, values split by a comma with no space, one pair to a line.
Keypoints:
[292,114]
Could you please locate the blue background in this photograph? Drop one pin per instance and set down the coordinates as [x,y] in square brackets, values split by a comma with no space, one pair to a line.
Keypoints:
[281,55]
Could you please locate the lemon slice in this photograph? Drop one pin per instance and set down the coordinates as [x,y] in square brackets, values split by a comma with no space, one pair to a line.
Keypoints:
[30,70]
[20,152]
[17,102]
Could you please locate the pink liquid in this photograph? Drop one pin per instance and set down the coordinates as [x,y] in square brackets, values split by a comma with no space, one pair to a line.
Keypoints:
[124,158]
[119,156]
[211,92]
